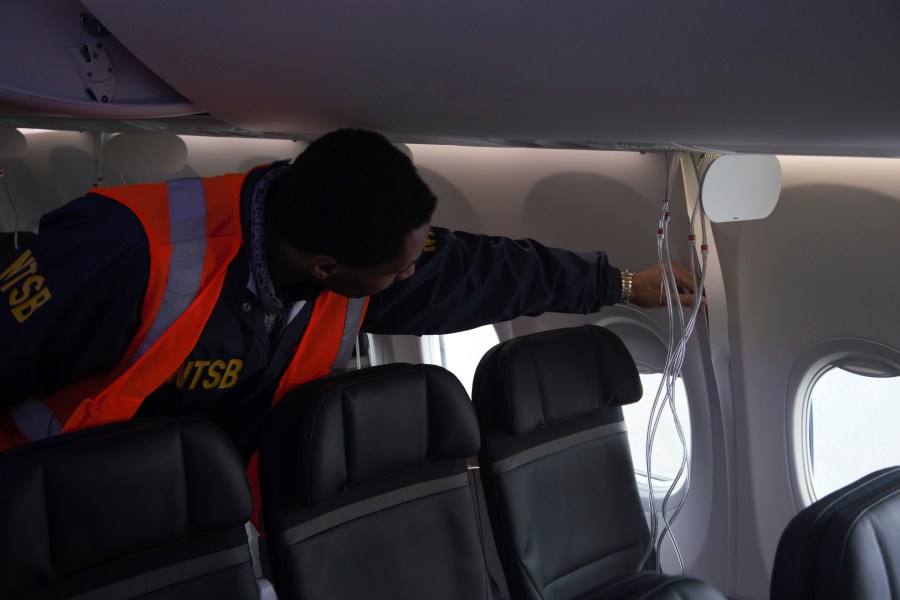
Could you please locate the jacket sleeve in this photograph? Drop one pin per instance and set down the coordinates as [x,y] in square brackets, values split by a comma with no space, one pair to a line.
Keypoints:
[464,280]
[71,297]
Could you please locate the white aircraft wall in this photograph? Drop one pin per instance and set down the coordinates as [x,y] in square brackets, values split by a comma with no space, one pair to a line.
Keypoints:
[822,266]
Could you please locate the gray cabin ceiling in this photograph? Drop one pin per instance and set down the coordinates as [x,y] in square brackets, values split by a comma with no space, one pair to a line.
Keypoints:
[797,77]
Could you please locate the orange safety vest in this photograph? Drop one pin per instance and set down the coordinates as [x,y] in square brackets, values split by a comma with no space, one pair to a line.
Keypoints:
[194,232]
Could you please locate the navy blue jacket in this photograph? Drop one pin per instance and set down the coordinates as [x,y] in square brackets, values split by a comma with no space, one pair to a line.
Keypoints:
[93,256]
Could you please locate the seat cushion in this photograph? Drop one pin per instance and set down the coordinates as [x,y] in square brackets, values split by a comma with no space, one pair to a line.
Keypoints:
[654,586]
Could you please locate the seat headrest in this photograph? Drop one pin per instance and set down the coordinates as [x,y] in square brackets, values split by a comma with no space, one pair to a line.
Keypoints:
[555,375]
[88,498]
[368,424]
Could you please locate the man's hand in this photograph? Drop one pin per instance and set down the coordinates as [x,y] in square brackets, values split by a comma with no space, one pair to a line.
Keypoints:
[647,292]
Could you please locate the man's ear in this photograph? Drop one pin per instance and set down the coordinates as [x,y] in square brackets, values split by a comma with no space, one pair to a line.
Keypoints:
[324,266]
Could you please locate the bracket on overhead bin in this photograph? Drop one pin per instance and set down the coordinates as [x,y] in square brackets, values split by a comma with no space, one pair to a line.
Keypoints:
[95,70]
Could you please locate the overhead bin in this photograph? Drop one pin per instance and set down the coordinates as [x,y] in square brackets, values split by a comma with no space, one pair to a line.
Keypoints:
[59,60]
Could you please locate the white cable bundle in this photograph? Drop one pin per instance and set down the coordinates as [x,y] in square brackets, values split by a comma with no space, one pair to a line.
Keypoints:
[671,371]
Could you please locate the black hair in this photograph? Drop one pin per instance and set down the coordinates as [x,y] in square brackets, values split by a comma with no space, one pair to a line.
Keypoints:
[353,196]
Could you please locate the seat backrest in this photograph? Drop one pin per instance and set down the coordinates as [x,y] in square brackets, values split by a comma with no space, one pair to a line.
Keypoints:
[365,491]
[556,463]
[153,508]
[845,545]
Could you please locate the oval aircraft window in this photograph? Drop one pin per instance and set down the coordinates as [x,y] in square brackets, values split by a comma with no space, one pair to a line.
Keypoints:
[851,426]
[460,352]
[667,447]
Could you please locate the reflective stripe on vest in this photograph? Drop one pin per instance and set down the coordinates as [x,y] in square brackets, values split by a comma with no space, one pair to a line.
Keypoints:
[336,321]
[34,419]
[193,232]
[356,309]
[187,219]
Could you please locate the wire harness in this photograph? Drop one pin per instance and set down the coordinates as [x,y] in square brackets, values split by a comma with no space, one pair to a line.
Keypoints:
[679,331]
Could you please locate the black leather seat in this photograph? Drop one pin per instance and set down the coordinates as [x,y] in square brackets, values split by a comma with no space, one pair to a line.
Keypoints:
[845,545]
[647,585]
[365,489]
[557,471]
[152,509]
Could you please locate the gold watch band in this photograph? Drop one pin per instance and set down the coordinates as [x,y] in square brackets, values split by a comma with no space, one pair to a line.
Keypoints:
[627,282]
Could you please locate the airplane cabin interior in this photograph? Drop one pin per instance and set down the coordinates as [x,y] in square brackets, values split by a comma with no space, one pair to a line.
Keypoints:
[745,449]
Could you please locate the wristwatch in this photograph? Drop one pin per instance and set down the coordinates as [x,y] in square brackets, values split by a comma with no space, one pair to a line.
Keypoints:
[627,281]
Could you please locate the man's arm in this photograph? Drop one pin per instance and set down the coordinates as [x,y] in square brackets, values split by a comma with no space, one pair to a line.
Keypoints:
[464,281]
[70,299]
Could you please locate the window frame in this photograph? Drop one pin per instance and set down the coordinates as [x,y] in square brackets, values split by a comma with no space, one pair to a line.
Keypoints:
[810,365]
